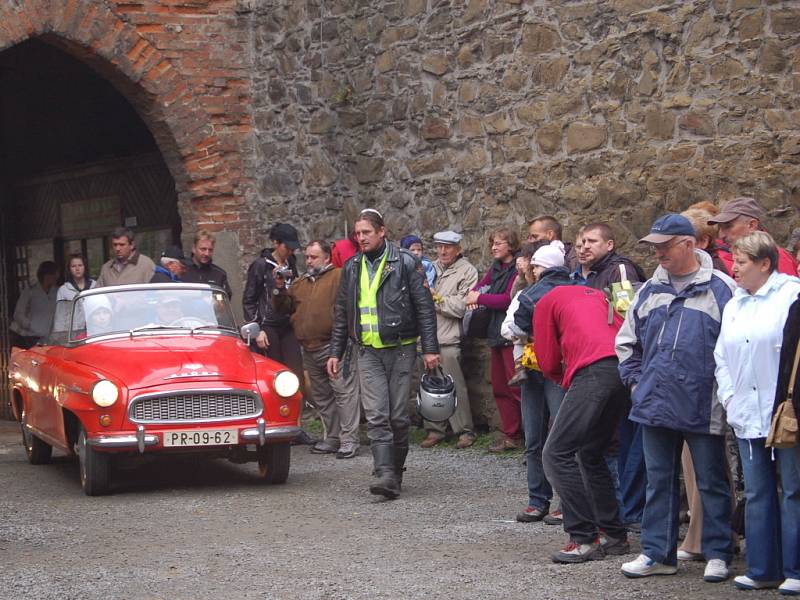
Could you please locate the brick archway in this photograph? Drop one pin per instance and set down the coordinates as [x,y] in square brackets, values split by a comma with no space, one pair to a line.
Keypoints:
[202,157]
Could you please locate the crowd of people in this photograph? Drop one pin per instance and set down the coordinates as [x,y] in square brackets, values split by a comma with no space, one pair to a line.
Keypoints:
[611,381]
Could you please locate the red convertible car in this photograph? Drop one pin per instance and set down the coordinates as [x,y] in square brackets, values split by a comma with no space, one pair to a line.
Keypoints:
[145,369]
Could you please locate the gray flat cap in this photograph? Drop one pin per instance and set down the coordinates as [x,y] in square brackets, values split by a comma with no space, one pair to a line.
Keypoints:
[447,237]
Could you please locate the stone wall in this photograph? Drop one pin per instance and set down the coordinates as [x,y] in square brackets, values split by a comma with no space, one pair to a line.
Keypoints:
[469,114]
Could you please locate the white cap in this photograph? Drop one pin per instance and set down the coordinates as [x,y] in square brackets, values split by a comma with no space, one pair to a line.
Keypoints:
[548,257]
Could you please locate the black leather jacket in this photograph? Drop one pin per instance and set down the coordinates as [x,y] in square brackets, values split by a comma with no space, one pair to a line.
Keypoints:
[257,297]
[405,305]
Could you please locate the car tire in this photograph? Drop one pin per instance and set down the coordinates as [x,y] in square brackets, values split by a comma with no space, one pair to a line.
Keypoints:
[38,452]
[273,462]
[95,467]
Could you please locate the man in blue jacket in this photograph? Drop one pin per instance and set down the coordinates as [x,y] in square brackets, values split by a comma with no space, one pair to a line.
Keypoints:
[666,354]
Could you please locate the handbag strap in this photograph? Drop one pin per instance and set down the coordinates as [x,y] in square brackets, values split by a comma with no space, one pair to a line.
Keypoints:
[793,375]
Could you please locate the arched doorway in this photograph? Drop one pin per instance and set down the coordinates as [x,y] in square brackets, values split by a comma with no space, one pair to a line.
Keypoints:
[76,160]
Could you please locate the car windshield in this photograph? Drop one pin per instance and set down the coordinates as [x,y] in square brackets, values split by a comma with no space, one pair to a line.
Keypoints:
[149,308]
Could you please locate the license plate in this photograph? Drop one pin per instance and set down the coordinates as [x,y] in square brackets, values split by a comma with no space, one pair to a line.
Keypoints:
[204,437]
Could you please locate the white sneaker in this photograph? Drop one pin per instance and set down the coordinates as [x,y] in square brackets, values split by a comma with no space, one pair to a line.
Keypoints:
[685,555]
[790,587]
[716,571]
[743,582]
[644,566]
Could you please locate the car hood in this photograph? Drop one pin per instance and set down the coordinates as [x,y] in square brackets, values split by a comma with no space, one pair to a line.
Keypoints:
[147,361]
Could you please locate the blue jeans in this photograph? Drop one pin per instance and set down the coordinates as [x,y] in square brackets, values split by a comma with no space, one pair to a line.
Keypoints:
[540,401]
[662,455]
[632,472]
[773,547]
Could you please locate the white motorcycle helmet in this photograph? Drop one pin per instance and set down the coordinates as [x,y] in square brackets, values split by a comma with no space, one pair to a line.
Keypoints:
[436,398]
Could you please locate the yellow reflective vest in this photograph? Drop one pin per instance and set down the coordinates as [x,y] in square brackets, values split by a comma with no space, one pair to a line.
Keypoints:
[368,306]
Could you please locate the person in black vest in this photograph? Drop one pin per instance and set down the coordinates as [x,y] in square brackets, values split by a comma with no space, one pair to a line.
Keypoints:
[494,293]
[201,269]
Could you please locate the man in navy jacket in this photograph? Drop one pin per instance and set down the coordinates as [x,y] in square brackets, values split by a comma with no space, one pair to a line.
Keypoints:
[666,354]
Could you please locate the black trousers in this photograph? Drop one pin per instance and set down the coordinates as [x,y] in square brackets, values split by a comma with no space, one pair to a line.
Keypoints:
[285,349]
[574,453]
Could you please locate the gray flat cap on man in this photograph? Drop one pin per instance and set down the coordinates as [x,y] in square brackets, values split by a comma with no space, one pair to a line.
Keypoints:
[450,238]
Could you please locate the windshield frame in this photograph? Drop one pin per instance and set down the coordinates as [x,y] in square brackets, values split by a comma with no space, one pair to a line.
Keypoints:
[161,330]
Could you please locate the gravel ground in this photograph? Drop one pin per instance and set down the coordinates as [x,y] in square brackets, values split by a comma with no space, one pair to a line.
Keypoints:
[196,529]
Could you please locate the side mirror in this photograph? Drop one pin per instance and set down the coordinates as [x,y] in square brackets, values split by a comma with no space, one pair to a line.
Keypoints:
[249,331]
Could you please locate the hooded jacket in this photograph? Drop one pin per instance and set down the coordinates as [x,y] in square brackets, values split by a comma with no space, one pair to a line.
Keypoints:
[405,305]
[528,298]
[747,353]
[666,349]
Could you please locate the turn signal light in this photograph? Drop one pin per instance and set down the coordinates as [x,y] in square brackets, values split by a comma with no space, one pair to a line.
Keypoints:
[105,420]
[284,410]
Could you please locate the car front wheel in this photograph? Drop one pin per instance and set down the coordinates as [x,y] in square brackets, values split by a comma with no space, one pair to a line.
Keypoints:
[38,452]
[273,462]
[95,467]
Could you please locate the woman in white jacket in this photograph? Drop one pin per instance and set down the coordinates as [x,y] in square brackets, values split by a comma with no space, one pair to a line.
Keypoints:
[747,354]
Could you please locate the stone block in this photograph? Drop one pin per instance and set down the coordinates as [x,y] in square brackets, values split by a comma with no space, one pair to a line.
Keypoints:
[697,123]
[742,4]
[538,38]
[321,123]
[426,165]
[468,91]
[791,145]
[751,25]
[548,138]
[350,119]
[614,193]
[435,63]
[550,72]
[704,27]
[726,68]
[321,172]
[515,79]
[369,169]
[435,128]
[497,123]
[469,126]
[386,61]
[785,21]
[530,114]
[415,7]
[582,137]
[659,124]
[474,10]
[772,58]
[517,148]
[468,54]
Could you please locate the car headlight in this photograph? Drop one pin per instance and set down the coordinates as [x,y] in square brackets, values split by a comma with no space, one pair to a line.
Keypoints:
[286,384]
[104,393]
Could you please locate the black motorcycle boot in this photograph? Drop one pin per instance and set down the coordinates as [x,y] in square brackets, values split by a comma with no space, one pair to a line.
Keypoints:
[400,453]
[383,457]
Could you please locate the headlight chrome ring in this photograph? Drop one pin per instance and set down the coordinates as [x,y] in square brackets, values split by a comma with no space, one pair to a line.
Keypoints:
[286,384]
[105,393]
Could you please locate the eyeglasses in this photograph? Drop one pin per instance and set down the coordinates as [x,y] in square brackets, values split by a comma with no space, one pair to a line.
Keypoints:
[666,246]
[499,243]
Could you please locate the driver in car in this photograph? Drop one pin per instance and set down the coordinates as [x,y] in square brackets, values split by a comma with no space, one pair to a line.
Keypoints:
[169,310]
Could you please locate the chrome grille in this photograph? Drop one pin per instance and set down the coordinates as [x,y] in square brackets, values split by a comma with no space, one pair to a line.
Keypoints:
[198,405]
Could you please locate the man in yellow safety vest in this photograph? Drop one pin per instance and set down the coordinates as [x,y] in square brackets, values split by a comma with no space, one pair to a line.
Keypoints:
[381,308]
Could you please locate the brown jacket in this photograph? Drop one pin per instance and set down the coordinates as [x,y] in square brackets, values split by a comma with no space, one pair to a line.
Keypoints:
[310,301]
[138,269]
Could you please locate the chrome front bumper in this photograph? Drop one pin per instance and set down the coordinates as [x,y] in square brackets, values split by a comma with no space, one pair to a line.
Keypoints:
[142,440]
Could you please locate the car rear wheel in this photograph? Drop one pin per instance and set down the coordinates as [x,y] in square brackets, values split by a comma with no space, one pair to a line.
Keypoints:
[38,452]
[273,462]
[95,467]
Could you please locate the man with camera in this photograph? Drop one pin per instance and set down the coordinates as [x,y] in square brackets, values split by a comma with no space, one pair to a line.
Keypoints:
[276,340]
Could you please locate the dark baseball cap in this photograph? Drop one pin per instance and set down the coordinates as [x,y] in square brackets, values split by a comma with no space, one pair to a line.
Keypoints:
[173,252]
[667,227]
[742,206]
[283,232]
